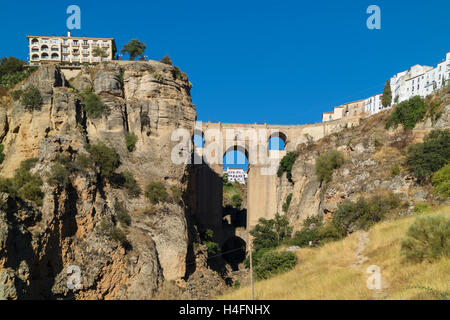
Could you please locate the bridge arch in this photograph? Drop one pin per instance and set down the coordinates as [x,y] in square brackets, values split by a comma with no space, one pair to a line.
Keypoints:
[277,139]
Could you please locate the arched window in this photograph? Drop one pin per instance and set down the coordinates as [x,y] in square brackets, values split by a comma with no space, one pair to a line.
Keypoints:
[35,57]
[44,56]
[55,56]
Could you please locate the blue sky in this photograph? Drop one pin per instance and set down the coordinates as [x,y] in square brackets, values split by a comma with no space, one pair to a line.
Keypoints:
[280,62]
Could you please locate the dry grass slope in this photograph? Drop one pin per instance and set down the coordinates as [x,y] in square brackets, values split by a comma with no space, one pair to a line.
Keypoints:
[325,273]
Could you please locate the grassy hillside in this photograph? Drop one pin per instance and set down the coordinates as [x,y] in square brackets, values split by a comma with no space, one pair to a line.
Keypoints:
[332,271]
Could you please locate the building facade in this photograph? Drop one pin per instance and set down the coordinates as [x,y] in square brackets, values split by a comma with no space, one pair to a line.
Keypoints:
[236,174]
[349,109]
[373,105]
[420,81]
[416,81]
[70,51]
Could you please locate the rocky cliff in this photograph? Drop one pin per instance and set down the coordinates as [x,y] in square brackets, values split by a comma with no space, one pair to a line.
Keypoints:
[39,243]
[371,152]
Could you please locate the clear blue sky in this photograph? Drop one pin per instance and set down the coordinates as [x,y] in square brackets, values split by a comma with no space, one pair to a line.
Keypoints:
[280,62]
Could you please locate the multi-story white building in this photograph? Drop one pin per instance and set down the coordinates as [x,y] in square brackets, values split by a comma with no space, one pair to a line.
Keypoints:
[420,81]
[373,104]
[236,174]
[69,51]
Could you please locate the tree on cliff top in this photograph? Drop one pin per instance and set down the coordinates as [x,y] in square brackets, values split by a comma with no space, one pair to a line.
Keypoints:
[134,48]
[386,99]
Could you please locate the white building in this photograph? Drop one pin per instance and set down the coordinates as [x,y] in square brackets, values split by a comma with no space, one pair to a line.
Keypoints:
[70,51]
[373,105]
[236,174]
[419,81]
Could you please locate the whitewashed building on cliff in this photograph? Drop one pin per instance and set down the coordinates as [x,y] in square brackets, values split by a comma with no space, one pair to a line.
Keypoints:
[416,81]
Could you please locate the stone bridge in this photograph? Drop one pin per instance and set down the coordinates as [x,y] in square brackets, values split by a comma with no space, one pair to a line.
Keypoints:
[253,140]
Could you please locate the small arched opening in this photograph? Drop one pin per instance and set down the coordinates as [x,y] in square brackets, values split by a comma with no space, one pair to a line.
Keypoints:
[277,141]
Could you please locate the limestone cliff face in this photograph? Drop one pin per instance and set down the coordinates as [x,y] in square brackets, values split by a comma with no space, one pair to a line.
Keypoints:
[370,153]
[38,244]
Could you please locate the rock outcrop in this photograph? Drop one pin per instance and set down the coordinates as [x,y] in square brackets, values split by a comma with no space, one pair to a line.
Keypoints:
[39,243]
[370,153]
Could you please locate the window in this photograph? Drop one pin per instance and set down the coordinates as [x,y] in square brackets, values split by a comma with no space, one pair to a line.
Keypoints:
[85,42]
[75,42]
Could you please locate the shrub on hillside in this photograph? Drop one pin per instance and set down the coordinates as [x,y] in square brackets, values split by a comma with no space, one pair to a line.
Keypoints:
[363,213]
[118,235]
[156,192]
[326,163]
[176,72]
[2,155]
[58,176]
[177,195]
[131,140]
[122,214]
[105,158]
[207,239]
[441,181]
[314,230]
[395,170]
[24,184]
[31,98]
[237,201]
[93,105]
[428,239]
[273,262]
[286,165]
[287,203]
[408,113]
[428,157]
[166,59]
[131,184]
[13,71]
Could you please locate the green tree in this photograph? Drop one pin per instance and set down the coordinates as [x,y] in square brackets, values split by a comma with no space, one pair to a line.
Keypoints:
[135,48]
[99,52]
[386,98]
[428,157]
[13,71]
[105,158]
[270,233]
[408,113]
[31,98]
